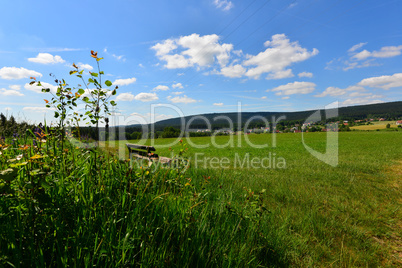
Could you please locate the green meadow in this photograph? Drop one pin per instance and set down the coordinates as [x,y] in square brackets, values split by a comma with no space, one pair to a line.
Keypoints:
[348,215]
[71,206]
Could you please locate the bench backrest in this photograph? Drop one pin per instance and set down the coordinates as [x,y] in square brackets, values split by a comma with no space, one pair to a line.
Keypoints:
[140,150]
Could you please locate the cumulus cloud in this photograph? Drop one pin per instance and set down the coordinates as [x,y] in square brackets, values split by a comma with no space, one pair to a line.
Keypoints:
[277,58]
[206,51]
[146,97]
[38,89]
[15,87]
[10,73]
[46,58]
[183,99]
[14,90]
[384,52]
[294,88]
[193,50]
[177,85]
[177,92]
[85,66]
[223,4]
[336,91]
[385,82]
[305,74]
[124,82]
[125,97]
[364,58]
[233,71]
[161,88]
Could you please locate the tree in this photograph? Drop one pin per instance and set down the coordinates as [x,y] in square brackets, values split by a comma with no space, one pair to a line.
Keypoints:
[388,125]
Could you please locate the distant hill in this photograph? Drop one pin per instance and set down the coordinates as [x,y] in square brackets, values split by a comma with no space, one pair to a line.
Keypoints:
[390,110]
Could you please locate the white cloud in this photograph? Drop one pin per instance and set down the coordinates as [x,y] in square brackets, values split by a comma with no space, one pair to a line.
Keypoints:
[355,64]
[38,89]
[161,87]
[145,97]
[121,57]
[359,101]
[285,98]
[10,73]
[279,55]
[364,58]
[305,74]
[218,104]
[183,99]
[281,74]
[223,4]
[356,47]
[294,88]
[85,66]
[195,50]
[336,91]
[384,52]
[124,82]
[385,82]
[38,109]
[46,58]
[165,48]
[125,97]
[15,87]
[178,85]
[233,71]
[177,92]
[13,91]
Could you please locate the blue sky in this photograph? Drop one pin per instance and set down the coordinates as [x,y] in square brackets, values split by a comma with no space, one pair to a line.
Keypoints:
[190,57]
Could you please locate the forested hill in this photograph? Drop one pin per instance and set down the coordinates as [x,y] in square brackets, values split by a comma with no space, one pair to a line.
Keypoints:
[389,110]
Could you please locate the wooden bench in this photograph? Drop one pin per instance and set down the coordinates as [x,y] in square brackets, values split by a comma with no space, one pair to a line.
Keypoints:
[146,152]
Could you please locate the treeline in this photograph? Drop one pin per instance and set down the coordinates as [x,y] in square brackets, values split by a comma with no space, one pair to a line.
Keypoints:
[9,127]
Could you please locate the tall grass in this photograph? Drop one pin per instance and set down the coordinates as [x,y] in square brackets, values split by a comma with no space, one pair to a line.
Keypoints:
[57,209]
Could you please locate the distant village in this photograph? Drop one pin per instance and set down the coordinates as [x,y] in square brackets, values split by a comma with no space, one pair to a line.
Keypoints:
[343,125]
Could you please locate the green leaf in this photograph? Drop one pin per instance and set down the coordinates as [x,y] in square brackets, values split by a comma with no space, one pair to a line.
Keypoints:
[108,83]
[8,174]
[114,92]
[72,72]
[94,74]
[81,91]
[90,80]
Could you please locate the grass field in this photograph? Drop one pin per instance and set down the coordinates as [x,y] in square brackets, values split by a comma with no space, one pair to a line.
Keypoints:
[65,206]
[376,125]
[344,216]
